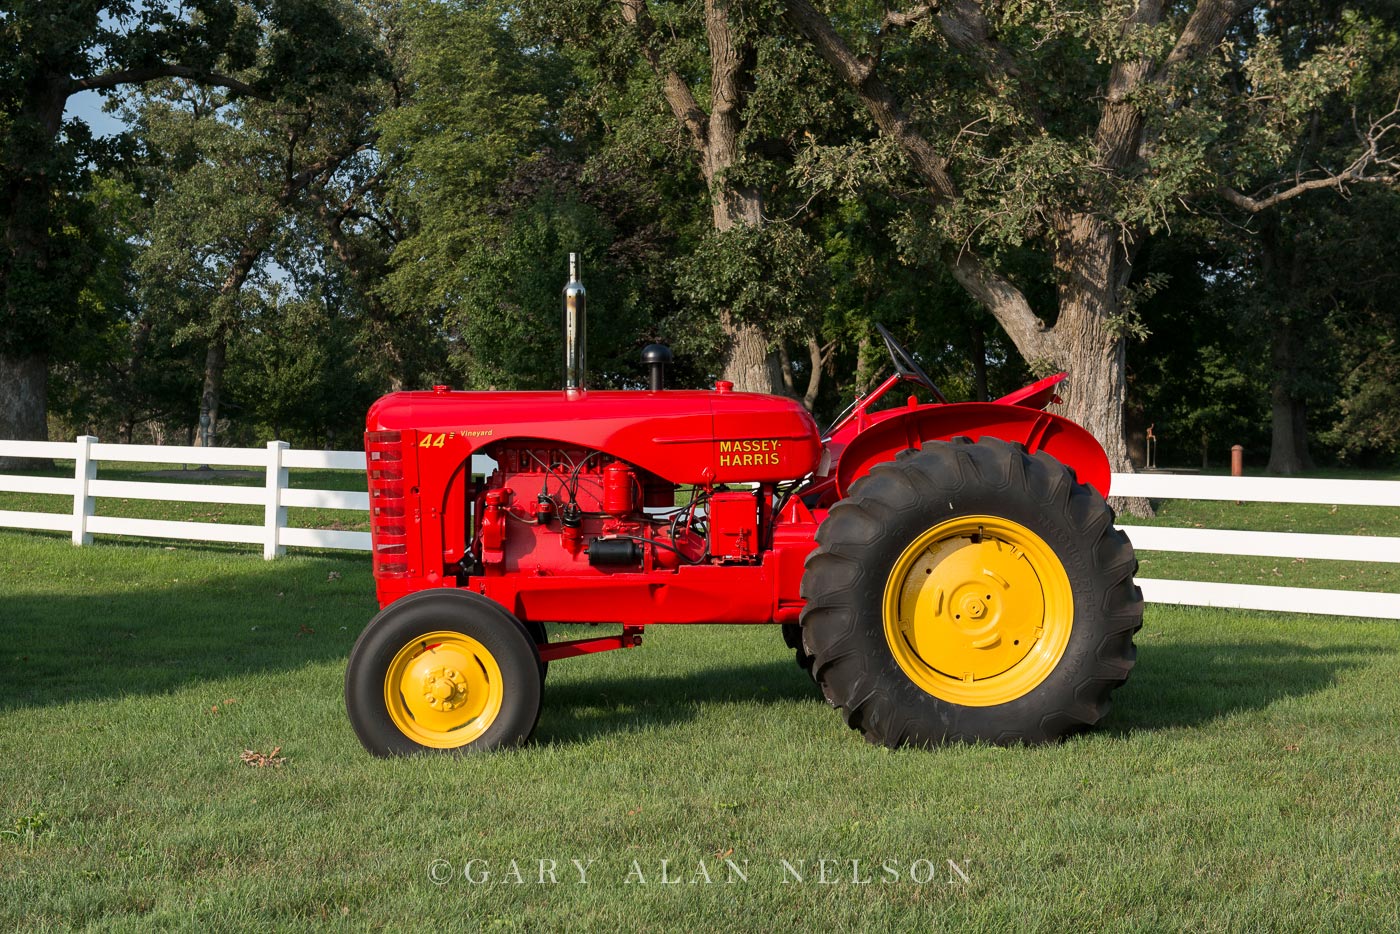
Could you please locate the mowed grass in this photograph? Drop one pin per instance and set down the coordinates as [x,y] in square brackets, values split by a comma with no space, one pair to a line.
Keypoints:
[1245,779]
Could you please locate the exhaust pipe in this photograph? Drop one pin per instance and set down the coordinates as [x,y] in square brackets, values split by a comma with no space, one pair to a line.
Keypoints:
[575,330]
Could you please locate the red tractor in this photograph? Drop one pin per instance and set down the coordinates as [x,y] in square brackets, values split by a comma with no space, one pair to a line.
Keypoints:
[945,572]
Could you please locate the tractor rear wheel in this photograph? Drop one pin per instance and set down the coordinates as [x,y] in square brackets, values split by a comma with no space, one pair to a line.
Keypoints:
[443,671]
[970,592]
[792,636]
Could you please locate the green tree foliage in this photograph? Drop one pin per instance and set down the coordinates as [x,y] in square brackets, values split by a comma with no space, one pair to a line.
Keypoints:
[1196,380]
[1282,272]
[321,200]
[487,166]
[127,366]
[1050,142]
[254,50]
[228,176]
[52,51]
[297,372]
[712,94]
[475,110]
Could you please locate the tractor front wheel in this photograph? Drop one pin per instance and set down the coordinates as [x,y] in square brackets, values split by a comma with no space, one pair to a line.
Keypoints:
[541,637]
[443,671]
[970,592]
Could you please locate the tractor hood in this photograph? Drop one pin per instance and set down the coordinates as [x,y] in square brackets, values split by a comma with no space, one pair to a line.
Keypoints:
[685,436]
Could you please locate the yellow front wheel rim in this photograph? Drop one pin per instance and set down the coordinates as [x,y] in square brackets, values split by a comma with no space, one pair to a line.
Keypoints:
[443,689]
[978,610]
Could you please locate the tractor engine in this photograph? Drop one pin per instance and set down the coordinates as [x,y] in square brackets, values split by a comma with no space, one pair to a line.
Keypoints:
[549,509]
[593,486]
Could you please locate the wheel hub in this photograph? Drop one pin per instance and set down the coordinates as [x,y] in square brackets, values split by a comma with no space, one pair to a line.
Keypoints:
[444,689]
[978,610]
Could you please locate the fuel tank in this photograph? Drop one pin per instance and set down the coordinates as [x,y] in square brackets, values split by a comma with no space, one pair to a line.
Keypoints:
[684,436]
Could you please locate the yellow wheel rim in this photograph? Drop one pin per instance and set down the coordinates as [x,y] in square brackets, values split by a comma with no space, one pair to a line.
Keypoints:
[443,690]
[978,610]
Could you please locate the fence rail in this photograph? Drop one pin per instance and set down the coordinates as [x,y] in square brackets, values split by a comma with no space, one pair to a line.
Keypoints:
[1363,548]
[276,496]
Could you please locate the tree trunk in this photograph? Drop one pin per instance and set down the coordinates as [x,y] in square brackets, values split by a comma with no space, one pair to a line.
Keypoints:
[748,360]
[365,272]
[1281,270]
[977,339]
[868,363]
[1288,452]
[1097,359]
[1091,263]
[24,406]
[1300,434]
[215,359]
[225,317]
[24,374]
[749,363]
[819,359]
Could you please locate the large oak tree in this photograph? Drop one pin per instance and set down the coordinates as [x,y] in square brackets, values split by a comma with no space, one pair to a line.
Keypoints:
[1072,133]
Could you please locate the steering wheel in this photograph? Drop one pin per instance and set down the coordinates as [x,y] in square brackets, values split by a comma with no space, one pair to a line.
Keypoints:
[904,363]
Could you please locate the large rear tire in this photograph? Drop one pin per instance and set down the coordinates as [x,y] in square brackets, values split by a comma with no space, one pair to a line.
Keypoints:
[970,592]
[792,637]
[444,671]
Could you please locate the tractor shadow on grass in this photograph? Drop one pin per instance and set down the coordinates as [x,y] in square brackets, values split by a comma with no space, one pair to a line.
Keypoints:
[1178,685]
[1187,684]
[156,620]
[580,711]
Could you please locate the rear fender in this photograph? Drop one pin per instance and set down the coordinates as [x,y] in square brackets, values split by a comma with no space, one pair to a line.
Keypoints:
[1059,437]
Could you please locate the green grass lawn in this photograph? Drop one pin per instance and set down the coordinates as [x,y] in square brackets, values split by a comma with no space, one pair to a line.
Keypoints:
[1244,781]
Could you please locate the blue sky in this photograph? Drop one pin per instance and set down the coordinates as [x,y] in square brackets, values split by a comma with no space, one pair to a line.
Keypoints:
[88,106]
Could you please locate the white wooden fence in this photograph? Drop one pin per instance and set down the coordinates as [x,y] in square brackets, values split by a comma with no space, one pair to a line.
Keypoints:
[275,496]
[1367,548]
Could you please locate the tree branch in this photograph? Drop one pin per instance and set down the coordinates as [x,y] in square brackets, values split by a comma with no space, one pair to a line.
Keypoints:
[1000,297]
[114,79]
[1205,29]
[1362,171]
[897,20]
[877,98]
[322,168]
[727,68]
[678,94]
[1006,303]
[1119,137]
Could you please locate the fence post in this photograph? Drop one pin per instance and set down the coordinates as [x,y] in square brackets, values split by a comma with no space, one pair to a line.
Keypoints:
[275,514]
[84,472]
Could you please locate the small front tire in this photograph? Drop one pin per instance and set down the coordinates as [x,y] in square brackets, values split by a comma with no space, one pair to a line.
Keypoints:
[443,671]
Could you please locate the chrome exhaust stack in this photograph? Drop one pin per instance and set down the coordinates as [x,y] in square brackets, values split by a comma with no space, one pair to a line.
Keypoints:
[575,330]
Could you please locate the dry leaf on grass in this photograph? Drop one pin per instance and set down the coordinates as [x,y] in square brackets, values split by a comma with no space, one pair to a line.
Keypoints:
[263,761]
